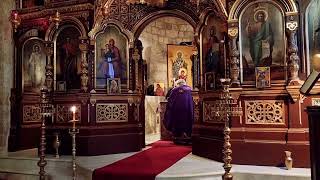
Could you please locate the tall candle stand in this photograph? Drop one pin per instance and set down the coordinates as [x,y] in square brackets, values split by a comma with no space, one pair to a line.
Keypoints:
[228,108]
[46,111]
[73,131]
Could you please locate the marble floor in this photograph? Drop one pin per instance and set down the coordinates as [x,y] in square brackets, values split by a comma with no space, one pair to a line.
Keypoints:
[22,165]
[151,138]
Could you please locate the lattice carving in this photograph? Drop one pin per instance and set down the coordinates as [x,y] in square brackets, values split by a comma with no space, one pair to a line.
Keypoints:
[31,113]
[209,113]
[265,112]
[112,113]
[130,15]
[196,113]
[64,115]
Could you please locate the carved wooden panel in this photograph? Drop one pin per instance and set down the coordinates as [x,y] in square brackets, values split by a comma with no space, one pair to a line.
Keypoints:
[111,113]
[209,113]
[196,113]
[31,113]
[130,15]
[64,115]
[265,112]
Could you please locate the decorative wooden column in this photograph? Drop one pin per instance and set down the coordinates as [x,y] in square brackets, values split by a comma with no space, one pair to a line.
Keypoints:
[84,47]
[49,66]
[293,58]
[233,32]
[196,102]
[136,58]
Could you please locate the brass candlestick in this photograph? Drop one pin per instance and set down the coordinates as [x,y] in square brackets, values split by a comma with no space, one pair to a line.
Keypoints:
[73,131]
[46,111]
[56,144]
[228,107]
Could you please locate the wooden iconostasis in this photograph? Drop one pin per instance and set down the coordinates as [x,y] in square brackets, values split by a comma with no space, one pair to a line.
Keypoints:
[92,57]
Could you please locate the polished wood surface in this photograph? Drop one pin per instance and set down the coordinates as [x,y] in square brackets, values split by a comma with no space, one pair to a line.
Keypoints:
[314,126]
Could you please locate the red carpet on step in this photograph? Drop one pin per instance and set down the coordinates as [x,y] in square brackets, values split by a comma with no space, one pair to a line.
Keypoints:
[145,165]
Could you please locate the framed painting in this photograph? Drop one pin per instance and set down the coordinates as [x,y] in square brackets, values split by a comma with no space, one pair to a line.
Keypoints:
[68,57]
[262,77]
[262,40]
[209,81]
[179,63]
[113,86]
[111,56]
[61,86]
[313,31]
[33,65]
[212,48]
[159,89]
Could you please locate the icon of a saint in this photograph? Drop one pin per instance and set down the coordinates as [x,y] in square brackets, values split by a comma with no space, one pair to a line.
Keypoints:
[178,64]
[113,87]
[260,35]
[36,67]
[159,91]
[182,74]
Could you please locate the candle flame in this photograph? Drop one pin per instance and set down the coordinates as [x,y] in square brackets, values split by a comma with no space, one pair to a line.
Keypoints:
[73,109]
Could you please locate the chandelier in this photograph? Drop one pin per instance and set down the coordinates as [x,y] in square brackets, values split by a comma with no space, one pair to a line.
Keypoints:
[157,3]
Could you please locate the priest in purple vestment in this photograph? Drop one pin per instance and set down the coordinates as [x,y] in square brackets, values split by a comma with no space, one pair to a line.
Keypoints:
[179,112]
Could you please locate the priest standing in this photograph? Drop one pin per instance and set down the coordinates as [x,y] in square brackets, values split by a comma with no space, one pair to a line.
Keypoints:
[179,112]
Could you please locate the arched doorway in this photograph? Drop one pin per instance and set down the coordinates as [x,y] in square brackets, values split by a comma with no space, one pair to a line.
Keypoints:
[155,37]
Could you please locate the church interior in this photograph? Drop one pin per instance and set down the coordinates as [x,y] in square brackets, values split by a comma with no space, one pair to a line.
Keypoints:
[85,88]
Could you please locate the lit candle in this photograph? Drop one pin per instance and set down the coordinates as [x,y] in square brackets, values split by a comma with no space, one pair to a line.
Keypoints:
[73,109]
[15,15]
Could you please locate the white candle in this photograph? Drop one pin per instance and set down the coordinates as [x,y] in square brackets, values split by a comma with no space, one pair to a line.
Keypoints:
[73,109]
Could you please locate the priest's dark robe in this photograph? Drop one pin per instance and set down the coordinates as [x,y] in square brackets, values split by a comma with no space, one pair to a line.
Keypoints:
[179,112]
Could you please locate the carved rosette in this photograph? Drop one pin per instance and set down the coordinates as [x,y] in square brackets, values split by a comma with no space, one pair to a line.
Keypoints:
[64,115]
[293,58]
[210,113]
[31,113]
[265,112]
[112,113]
[49,66]
[83,46]
[233,32]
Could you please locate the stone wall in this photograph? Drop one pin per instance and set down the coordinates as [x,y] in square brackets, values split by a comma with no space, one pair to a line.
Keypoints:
[6,71]
[155,37]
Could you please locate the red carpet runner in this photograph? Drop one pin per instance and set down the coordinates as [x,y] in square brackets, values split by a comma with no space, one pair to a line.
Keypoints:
[145,165]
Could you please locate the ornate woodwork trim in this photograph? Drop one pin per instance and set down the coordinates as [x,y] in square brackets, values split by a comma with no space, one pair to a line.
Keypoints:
[25,15]
[31,113]
[116,112]
[292,52]
[64,115]
[53,30]
[294,92]
[209,113]
[233,32]
[265,112]
[101,27]
[139,26]
[239,5]
[84,47]
[49,66]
